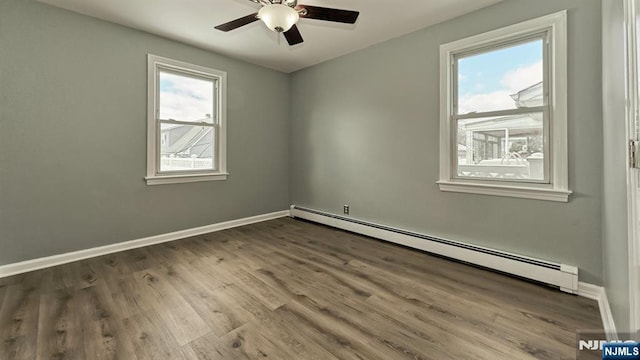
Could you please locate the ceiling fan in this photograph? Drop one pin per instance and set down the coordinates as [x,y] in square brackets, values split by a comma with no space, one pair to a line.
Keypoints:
[281,16]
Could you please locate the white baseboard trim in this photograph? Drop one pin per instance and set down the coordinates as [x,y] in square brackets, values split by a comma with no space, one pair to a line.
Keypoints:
[45,262]
[590,291]
[599,294]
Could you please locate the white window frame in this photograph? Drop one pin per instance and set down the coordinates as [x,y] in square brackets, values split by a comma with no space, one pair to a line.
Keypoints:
[154,175]
[556,186]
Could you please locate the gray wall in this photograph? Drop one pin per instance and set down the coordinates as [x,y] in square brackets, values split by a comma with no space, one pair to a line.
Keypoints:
[615,237]
[73,137]
[364,132]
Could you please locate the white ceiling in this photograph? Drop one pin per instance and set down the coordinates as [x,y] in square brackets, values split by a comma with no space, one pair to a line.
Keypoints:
[192,22]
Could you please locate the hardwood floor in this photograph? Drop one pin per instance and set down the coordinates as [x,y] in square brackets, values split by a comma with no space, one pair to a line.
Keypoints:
[283,289]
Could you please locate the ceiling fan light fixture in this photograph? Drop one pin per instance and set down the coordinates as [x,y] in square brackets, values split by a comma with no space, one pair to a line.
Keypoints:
[278,17]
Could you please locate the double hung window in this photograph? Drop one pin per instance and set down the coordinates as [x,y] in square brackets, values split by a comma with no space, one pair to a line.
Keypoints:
[186,122]
[503,112]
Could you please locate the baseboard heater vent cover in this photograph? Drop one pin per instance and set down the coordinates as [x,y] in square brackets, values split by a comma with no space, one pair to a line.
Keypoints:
[562,276]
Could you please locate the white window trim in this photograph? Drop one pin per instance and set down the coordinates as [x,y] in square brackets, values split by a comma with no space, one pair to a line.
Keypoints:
[154,177]
[558,189]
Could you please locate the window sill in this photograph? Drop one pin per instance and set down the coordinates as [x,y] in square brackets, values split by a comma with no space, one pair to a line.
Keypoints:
[508,191]
[175,179]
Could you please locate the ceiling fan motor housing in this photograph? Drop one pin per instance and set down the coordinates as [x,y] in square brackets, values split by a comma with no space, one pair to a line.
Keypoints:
[278,17]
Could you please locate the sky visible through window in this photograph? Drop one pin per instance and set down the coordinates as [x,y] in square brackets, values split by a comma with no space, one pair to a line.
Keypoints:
[185,98]
[486,80]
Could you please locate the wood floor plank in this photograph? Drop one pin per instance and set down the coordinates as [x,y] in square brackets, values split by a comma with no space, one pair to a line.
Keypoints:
[114,265]
[9,280]
[236,272]
[127,294]
[392,286]
[3,291]
[151,338]
[211,246]
[245,342]
[215,239]
[84,274]
[213,304]
[57,278]
[19,322]
[172,252]
[337,273]
[478,282]
[208,347]
[270,296]
[139,259]
[335,303]
[59,327]
[103,334]
[345,342]
[212,270]
[456,304]
[180,318]
[29,279]
[252,256]
[277,327]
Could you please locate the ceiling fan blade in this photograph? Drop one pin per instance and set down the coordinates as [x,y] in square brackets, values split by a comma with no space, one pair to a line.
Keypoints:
[234,24]
[327,14]
[293,36]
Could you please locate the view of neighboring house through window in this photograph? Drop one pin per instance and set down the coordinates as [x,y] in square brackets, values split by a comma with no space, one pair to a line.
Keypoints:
[187,125]
[503,111]
[500,112]
[186,122]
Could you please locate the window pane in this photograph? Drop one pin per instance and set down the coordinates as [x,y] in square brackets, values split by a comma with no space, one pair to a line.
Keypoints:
[186,98]
[507,78]
[506,147]
[187,147]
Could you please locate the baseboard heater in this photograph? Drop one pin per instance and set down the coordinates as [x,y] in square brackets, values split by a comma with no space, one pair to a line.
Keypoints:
[558,275]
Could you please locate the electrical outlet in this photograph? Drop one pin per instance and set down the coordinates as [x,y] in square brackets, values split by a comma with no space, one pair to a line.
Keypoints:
[345,209]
